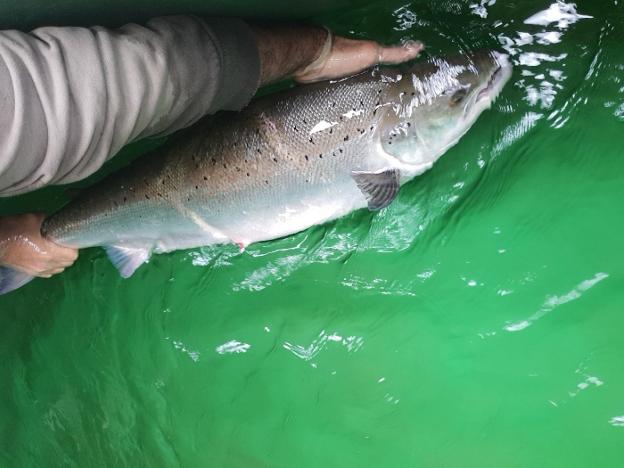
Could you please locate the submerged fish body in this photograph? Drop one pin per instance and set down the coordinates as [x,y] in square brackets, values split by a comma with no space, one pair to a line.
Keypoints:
[290,160]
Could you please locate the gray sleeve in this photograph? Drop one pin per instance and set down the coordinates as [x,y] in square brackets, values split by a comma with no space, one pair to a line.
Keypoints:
[70,98]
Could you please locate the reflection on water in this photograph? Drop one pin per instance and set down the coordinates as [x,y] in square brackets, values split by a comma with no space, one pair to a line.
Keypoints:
[351,343]
[561,13]
[552,302]
[541,87]
[194,355]
[617,421]
[233,346]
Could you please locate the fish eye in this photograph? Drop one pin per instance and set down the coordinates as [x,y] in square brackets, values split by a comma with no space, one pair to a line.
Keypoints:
[458,96]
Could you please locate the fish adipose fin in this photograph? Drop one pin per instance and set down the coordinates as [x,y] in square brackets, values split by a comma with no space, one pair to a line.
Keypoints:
[126,259]
[11,279]
[380,188]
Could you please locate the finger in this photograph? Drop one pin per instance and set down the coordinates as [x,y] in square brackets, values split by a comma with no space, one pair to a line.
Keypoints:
[50,272]
[400,53]
[60,254]
[66,255]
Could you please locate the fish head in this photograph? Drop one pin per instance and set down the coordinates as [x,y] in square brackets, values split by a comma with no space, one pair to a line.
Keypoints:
[437,102]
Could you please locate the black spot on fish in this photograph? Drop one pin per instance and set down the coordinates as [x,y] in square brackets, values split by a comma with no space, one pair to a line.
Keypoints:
[162,182]
[196,187]
[361,103]
[214,161]
[371,127]
[346,138]
[258,150]
[413,93]
[248,174]
[238,169]
[379,91]
[311,140]
[205,178]
[266,182]
[306,157]
[188,199]
[274,159]
[295,128]
[320,156]
[340,149]
[224,166]
[159,194]
[147,196]
[331,130]
[304,121]
[374,111]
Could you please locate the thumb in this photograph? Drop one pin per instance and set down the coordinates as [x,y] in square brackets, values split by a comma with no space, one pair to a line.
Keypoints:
[392,55]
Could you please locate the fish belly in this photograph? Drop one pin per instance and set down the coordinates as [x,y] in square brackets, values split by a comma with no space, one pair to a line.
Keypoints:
[244,224]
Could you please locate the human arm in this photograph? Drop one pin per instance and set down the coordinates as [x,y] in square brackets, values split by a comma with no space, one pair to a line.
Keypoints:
[309,53]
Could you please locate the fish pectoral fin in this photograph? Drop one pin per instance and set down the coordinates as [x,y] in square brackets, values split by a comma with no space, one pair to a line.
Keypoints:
[127,259]
[380,187]
[11,279]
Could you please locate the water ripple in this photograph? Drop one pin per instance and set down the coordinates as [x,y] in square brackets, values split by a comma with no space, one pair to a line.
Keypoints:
[351,343]
[552,302]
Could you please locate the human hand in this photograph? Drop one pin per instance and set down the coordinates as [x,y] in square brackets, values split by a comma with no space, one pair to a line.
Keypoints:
[23,248]
[343,57]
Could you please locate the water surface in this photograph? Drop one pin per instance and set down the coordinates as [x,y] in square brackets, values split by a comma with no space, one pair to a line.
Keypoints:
[477,321]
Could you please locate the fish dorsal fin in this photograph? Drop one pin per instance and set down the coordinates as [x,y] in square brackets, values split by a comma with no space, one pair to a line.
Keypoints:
[380,187]
[126,259]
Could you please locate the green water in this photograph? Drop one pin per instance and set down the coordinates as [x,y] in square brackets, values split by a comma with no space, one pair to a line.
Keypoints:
[476,322]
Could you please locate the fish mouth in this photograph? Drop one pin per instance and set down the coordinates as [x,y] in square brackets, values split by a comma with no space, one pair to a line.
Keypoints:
[497,79]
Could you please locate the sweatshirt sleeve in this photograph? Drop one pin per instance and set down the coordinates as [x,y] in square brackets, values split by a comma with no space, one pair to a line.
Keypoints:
[70,98]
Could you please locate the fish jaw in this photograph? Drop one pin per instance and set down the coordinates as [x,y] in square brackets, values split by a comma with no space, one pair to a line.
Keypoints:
[490,91]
